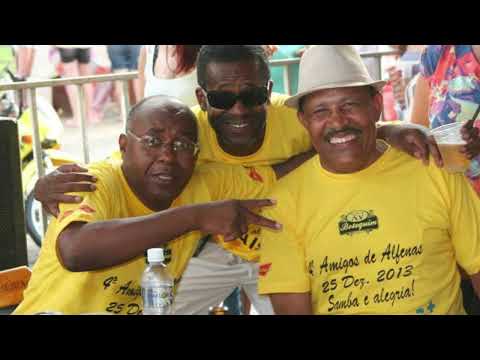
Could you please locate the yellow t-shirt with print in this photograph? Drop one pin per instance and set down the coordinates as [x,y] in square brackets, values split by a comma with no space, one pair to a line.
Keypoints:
[385,240]
[284,138]
[117,290]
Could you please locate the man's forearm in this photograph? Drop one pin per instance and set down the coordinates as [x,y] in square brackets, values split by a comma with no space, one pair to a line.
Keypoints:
[93,246]
[291,164]
[385,131]
[292,303]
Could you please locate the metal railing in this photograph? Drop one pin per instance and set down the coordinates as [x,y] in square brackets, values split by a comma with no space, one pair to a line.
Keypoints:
[31,86]
[79,82]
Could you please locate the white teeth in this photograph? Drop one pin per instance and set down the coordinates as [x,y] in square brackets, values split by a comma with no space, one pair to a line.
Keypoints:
[342,140]
[164,177]
[240,126]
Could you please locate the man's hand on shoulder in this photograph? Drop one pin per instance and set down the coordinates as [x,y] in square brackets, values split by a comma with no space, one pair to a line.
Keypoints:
[51,189]
[291,164]
[470,134]
[412,140]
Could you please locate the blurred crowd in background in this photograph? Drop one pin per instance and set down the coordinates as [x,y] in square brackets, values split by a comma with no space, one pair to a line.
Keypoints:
[40,62]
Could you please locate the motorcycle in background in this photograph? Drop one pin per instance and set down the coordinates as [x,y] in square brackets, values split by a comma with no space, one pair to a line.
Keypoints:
[50,129]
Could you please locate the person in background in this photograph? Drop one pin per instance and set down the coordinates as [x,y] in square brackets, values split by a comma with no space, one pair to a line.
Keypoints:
[373,68]
[34,65]
[124,58]
[168,70]
[7,64]
[25,58]
[447,91]
[76,61]
[103,92]
[400,74]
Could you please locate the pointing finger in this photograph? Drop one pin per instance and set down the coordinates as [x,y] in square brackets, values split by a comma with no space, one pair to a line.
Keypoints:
[256,219]
[256,204]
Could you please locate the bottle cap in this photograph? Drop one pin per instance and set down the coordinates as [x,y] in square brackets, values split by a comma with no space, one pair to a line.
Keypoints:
[155,255]
[218,310]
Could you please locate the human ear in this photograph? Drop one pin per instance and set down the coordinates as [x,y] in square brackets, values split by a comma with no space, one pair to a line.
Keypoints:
[123,142]
[270,87]
[378,105]
[201,98]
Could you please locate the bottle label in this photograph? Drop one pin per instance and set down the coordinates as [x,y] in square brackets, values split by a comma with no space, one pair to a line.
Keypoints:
[160,297]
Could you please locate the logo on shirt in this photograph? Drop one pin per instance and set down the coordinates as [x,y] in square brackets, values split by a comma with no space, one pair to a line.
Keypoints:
[254,175]
[428,309]
[65,215]
[358,221]
[264,269]
[86,208]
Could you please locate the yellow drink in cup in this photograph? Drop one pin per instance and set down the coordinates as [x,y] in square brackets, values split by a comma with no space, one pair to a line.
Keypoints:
[449,141]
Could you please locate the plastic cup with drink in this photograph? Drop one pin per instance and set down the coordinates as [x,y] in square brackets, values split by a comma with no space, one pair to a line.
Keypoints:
[450,142]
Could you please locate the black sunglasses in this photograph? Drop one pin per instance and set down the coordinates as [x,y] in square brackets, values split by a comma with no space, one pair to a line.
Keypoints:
[251,97]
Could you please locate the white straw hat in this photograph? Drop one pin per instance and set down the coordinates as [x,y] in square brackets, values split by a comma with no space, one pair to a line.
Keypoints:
[329,67]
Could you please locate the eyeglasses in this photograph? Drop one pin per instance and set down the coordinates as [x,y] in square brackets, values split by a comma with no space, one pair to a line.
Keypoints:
[224,100]
[180,147]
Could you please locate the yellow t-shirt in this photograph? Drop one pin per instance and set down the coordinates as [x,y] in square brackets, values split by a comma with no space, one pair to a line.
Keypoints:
[385,240]
[117,290]
[284,138]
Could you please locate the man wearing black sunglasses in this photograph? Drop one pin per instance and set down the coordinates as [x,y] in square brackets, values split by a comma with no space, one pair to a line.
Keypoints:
[241,122]
[239,119]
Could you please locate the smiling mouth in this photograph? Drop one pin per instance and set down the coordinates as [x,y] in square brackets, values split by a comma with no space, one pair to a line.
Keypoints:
[341,139]
[163,178]
[239,126]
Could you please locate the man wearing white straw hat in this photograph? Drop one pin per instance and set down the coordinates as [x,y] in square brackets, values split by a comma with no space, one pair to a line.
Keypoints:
[366,228]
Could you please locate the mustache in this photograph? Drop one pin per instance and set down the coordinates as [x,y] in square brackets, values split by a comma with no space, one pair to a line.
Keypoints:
[330,133]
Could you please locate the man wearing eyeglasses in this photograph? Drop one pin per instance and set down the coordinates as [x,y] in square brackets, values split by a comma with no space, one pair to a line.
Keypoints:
[92,256]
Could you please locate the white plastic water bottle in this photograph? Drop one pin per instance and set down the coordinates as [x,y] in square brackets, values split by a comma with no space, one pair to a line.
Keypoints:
[157,285]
